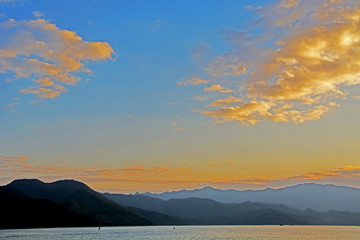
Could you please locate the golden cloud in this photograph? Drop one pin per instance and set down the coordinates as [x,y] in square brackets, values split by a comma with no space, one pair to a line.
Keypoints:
[38,50]
[226,101]
[162,177]
[294,71]
[192,81]
[21,165]
[218,88]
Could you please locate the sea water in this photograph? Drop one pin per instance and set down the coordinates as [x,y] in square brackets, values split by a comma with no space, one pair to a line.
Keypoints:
[188,232]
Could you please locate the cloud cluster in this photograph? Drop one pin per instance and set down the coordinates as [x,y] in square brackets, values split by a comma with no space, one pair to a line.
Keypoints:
[161,177]
[48,56]
[21,166]
[303,60]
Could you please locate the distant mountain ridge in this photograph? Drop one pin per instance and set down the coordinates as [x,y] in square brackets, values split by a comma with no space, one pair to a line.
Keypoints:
[303,196]
[208,211]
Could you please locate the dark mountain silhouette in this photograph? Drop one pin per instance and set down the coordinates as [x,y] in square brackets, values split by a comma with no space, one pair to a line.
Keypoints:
[31,203]
[20,212]
[302,196]
[207,211]
[82,200]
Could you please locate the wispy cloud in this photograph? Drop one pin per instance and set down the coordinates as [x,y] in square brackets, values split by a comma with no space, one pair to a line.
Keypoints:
[164,178]
[192,81]
[70,123]
[176,127]
[218,88]
[156,25]
[296,69]
[48,56]
[21,166]
[201,98]
[9,1]
[224,102]
[224,66]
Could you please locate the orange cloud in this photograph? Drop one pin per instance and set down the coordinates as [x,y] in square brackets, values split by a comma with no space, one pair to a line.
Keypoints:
[20,165]
[223,102]
[296,69]
[248,113]
[201,98]
[163,178]
[38,50]
[192,81]
[218,88]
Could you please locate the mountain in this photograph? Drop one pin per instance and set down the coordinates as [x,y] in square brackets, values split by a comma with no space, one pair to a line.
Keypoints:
[20,212]
[78,198]
[208,211]
[302,196]
[31,203]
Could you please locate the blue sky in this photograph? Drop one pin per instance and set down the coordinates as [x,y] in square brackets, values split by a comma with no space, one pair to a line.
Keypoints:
[140,110]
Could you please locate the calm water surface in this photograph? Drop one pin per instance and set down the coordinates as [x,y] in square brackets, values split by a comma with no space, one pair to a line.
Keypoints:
[188,232]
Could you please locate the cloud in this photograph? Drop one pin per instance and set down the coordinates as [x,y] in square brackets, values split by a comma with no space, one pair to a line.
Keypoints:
[47,55]
[289,3]
[176,127]
[225,66]
[296,69]
[38,14]
[192,81]
[223,102]
[201,98]
[248,113]
[156,25]
[20,166]
[218,88]
[70,123]
[9,1]
[162,177]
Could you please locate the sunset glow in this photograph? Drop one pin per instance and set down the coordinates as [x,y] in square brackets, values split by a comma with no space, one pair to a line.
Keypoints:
[136,96]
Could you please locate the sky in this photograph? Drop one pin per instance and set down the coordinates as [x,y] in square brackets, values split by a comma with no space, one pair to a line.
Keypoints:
[132,96]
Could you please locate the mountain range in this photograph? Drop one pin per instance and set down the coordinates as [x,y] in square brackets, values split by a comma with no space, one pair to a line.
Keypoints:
[207,211]
[31,203]
[303,196]
[67,203]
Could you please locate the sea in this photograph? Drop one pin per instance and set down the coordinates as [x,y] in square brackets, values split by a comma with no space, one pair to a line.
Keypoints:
[188,232]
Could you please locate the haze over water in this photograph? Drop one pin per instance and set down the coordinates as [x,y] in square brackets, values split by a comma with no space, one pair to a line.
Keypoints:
[188,232]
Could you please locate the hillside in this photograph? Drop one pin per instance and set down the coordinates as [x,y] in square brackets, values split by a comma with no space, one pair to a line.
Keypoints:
[78,198]
[208,211]
[20,212]
[302,196]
